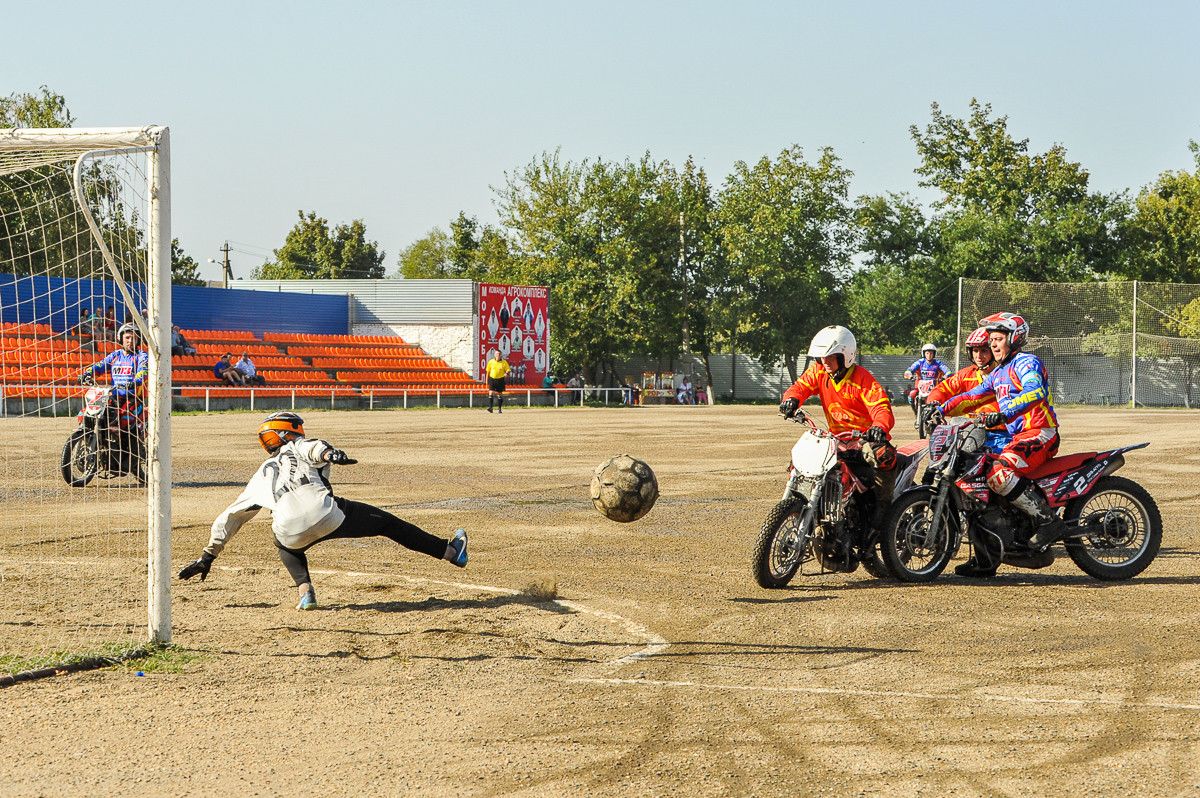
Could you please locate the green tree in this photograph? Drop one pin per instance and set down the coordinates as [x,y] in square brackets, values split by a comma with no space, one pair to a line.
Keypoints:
[184,268]
[898,298]
[427,257]
[1007,214]
[605,238]
[787,233]
[312,251]
[1165,227]
[43,109]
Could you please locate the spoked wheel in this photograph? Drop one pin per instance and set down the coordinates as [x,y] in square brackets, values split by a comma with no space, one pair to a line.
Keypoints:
[80,458]
[913,551]
[1129,530]
[783,543]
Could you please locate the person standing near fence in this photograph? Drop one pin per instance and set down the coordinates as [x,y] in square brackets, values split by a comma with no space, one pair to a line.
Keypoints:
[497,373]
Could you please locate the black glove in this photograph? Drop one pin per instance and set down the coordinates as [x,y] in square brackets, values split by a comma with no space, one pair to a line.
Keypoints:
[788,408]
[876,434]
[86,378]
[338,457]
[992,419]
[933,414]
[200,566]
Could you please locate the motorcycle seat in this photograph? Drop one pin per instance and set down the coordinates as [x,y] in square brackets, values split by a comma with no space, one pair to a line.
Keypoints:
[1056,465]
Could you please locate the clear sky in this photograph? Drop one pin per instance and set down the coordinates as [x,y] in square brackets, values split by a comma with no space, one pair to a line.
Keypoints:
[404,113]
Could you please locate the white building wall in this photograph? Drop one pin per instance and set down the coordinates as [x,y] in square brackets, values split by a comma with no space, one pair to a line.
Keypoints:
[453,343]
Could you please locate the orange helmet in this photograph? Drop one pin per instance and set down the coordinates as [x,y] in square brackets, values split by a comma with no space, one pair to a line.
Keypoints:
[278,429]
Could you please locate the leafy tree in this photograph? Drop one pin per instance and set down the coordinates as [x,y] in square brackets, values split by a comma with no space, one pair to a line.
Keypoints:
[184,268]
[43,109]
[427,257]
[1006,214]
[787,234]
[1165,227]
[898,299]
[312,251]
[604,237]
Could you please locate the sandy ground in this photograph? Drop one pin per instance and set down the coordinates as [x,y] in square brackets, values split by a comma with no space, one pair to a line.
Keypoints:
[662,670]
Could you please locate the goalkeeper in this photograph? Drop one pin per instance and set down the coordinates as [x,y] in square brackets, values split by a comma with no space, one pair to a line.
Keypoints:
[293,484]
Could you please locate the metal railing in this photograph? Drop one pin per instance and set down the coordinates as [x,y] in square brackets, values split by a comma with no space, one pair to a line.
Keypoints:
[65,399]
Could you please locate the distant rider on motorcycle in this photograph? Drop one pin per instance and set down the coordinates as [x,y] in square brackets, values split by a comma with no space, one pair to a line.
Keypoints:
[982,364]
[852,400]
[928,367]
[128,367]
[1022,391]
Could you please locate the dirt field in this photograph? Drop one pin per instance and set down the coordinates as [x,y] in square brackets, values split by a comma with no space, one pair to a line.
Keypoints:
[663,670]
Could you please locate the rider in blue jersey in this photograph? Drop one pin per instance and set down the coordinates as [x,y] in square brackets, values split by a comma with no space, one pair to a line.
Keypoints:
[928,367]
[128,368]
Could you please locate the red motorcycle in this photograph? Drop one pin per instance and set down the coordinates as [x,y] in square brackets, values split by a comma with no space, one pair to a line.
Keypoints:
[108,440]
[1115,526]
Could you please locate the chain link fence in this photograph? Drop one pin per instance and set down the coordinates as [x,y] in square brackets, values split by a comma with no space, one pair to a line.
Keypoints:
[1105,343]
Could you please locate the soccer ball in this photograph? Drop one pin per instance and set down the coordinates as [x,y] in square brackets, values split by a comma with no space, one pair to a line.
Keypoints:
[624,488]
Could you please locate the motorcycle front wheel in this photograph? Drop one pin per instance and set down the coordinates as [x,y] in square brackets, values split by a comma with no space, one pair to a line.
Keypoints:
[1130,530]
[782,543]
[912,549]
[80,458]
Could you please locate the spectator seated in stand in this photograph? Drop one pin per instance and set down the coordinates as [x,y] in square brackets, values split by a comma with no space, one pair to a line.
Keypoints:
[179,343]
[227,373]
[249,373]
[109,324]
[686,394]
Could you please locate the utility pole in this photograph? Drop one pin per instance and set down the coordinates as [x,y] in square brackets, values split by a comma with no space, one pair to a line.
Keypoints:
[228,272]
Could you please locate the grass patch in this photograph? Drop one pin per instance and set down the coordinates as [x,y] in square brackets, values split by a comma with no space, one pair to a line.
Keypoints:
[128,656]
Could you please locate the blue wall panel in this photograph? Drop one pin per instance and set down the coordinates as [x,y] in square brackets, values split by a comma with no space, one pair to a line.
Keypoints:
[58,301]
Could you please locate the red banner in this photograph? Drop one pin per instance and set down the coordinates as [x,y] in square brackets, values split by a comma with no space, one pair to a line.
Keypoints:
[514,321]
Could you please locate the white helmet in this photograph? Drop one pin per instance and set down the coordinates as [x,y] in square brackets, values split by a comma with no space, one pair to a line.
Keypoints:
[927,348]
[835,340]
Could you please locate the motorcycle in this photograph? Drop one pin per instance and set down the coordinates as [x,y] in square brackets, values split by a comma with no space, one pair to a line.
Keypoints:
[108,440]
[826,510]
[1115,526]
[922,421]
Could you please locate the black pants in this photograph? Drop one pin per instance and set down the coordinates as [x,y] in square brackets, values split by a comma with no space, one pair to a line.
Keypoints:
[364,521]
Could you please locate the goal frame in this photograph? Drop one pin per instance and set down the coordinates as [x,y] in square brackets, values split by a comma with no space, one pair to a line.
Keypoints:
[61,144]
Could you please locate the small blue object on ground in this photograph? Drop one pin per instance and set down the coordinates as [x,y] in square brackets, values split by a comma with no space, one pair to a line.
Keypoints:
[140,673]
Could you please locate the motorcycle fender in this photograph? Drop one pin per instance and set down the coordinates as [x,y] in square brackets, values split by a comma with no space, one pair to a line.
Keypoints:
[1062,488]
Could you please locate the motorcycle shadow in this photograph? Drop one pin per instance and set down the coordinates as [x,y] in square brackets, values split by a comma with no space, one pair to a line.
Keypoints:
[1018,579]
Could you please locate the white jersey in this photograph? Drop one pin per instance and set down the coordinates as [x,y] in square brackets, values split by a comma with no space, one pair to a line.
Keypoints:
[294,486]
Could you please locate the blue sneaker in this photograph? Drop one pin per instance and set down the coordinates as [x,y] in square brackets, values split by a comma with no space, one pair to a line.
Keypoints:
[457,548]
[308,601]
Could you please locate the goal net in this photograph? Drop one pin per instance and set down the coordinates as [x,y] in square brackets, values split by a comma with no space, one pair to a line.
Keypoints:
[85,487]
[1107,343]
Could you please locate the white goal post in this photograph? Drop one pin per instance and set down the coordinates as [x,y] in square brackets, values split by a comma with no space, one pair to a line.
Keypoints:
[85,229]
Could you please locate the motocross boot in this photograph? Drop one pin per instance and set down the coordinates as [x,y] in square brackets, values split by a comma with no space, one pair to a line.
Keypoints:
[1050,528]
[986,557]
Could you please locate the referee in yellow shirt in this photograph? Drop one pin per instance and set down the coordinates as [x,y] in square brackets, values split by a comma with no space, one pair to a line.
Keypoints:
[497,370]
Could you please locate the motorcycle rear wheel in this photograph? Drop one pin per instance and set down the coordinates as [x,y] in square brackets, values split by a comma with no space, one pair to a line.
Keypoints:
[912,552]
[1133,530]
[781,543]
[80,458]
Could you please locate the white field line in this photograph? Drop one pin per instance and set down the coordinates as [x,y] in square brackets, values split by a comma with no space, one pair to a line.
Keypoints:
[1011,699]
[654,643]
